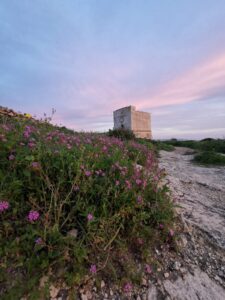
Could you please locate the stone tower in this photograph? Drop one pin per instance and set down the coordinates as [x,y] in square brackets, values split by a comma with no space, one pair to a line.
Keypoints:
[137,121]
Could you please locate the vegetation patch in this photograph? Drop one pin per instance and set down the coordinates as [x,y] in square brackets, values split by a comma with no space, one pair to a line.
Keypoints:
[210,158]
[121,133]
[75,206]
[208,144]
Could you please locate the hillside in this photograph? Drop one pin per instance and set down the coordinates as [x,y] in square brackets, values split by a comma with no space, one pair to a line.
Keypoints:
[76,209]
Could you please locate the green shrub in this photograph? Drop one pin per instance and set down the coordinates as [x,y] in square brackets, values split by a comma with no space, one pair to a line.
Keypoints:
[75,202]
[208,144]
[122,133]
[209,158]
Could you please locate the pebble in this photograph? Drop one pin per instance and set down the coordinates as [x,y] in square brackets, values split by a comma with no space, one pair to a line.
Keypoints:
[159,270]
[102,284]
[166,275]
[176,265]
[73,233]
[144,282]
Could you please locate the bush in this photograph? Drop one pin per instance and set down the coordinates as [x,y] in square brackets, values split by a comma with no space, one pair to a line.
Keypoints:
[209,158]
[122,133]
[208,144]
[77,202]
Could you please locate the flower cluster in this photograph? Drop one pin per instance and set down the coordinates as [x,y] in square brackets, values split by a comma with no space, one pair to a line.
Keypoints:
[33,216]
[4,205]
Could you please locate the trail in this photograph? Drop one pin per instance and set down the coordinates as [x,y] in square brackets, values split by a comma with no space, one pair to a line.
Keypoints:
[200,194]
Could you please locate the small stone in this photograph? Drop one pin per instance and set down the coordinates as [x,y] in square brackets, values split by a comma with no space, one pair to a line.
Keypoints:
[217,278]
[102,284]
[53,291]
[176,265]
[144,282]
[83,297]
[89,295]
[43,281]
[157,252]
[73,233]
[111,292]
[159,270]
[138,298]
[106,295]
[166,275]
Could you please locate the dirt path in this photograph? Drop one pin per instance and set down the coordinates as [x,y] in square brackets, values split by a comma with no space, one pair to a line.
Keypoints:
[200,193]
[199,190]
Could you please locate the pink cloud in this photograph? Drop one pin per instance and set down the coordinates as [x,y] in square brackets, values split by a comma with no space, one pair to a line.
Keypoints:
[203,80]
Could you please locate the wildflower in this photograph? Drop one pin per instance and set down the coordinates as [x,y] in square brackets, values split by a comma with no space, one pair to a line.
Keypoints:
[117,182]
[35,165]
[90,217]
[31,145]
[161,226]
[171,233]
[4,205]
[33,215]
[87,173]
[93,269]
[138,181]
[140,241]
[76,188]
[148,269]
[139,199]
[127,287]
[11,157]
[128,184]
[38,241]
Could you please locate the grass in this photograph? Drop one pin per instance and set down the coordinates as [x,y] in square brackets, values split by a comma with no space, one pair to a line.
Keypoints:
[209,158]
[208,144]
[76,206]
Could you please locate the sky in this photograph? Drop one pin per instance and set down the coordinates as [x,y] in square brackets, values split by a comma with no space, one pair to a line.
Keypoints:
[86,58]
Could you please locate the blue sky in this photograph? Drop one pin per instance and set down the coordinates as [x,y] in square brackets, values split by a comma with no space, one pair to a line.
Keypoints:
[87,58]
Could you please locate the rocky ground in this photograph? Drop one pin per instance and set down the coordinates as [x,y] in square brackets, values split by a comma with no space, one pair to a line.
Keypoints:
[200,194]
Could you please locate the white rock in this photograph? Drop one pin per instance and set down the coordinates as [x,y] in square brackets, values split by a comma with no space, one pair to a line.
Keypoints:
[166,275]
[73,233]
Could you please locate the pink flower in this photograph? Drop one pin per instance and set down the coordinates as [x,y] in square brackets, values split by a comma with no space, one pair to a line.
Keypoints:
[127,287]
[35,165]
[4,205]
[161,226]
[90,217]
[148,269]
[33,216]
[117,182]
[38,241]
[139,199]
[11,157]
[128,184]
[93,269]
[138,181]
[171,232]
[87,173]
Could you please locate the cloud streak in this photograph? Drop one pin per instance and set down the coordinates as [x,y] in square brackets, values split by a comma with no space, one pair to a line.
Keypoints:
[201,82]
